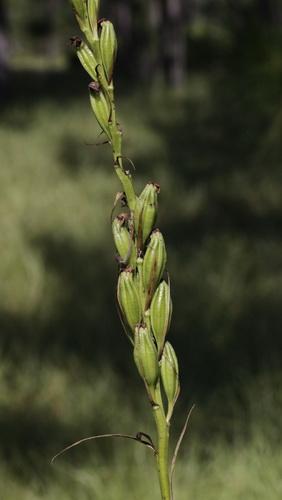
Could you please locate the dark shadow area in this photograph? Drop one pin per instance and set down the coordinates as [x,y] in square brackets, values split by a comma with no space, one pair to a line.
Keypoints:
[28,87]
[75,156]
[29,433]
[228,150]
[84,318]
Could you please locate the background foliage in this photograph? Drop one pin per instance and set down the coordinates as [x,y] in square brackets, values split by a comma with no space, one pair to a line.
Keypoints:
[205,121]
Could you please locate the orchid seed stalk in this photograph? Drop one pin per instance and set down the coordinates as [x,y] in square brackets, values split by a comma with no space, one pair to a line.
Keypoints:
[142,291]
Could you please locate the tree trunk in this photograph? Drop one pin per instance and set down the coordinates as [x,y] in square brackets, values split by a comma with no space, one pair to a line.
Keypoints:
[120,13]
[277,13]
[270,11]
[265,9]
[3,49]
[173,41]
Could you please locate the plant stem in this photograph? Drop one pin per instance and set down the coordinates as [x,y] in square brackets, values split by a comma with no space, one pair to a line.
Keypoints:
[162,452]
[162,447]
[131,232]
[123,176]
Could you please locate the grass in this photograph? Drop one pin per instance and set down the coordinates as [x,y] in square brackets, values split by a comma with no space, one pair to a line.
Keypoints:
[65,403]
[65,367]
[236,476]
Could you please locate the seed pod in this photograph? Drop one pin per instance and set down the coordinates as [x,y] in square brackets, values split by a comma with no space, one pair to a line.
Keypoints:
[81,14]
[93,12]
[79,8]
[160,312]
[100,107]
[128,298]
[86,56]
[154,264]
[145,356]
[170,375]
[123,241]
[108,48]
[148,215]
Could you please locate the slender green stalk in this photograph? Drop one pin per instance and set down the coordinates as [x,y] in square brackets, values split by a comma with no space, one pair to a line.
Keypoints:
[142,292]
[162,426]
[116,143]
[162,454]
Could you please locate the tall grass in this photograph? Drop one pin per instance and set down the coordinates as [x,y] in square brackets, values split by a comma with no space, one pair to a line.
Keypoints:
[51,405]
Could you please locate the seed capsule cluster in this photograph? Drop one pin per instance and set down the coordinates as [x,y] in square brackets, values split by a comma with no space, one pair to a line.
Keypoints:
[97,54]
[144,295]
[142,292]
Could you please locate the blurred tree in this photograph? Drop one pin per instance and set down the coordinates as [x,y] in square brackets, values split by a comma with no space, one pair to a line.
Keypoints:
[152,35]
[271,11]
[173,41]
[43,25]
[3,48]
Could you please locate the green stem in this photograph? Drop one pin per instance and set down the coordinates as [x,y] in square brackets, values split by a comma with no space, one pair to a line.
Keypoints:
[116,133]
[123,176]
[127,185]
[162,455]
[162,452]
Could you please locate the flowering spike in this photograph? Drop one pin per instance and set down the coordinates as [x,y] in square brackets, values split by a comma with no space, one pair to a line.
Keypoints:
[144,300]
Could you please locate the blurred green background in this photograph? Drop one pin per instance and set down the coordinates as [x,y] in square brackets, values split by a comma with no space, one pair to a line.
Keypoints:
[199,97]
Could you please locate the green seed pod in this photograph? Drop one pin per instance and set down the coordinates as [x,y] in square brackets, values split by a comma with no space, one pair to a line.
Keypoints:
[154,264]
[87,23]
[148,215]
[170,375]
[93,13]
[79,7]
[100,107]
[86,56]
[81,14]
[145,356]
[123,241]
[160,312]
[108,48]
[128,298]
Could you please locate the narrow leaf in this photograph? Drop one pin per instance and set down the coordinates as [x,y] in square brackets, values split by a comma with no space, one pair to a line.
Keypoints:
[183,432]
[139,438]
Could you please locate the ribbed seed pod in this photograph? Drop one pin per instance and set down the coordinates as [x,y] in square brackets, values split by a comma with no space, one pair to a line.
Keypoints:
[86,56]
[148,213]
[145,356]
[93,13]
[160,313]
[170,375]
[154,264]
[79,8]
[108,48]
[81,14]
[123,241]
[100,107]
[128,299]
